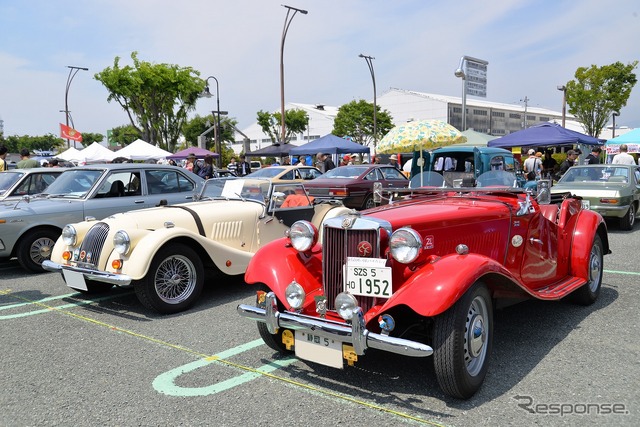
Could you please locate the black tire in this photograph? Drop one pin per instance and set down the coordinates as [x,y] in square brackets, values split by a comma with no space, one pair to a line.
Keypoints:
[368,202]
[629,219]
[460,358]
[273,341]
[174,281]
[588,293]
[34,248]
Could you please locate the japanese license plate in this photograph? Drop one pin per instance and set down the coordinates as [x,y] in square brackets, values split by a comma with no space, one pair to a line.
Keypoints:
[367,277]
[586,204]
[314,348]
[74,280]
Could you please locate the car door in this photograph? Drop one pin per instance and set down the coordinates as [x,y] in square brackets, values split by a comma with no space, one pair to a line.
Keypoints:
[167,184]
[393,178]
[116,193]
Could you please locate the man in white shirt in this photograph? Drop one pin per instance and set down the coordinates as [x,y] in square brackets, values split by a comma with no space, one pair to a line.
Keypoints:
[623,158]
[533,164]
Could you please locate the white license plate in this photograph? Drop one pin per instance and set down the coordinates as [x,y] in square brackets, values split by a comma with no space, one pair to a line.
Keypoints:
[315,348]
[74,280]
[367,277]
[586,204]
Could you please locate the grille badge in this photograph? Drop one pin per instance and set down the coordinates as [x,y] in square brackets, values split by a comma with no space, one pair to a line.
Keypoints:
[365,249]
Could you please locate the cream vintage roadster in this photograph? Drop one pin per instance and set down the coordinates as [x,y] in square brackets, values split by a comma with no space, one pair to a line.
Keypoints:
[163,252]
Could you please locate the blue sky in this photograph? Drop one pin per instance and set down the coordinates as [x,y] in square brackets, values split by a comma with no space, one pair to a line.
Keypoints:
[532,47]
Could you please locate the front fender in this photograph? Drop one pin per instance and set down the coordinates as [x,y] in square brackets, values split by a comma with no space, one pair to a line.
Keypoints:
[589,223]
[435,287]
[230,261]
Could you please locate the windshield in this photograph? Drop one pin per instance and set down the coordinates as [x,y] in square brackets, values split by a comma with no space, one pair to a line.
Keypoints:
[269,172]
[345,172]
[74,183]
[595,173]
[232,188]
[497,178]
[7,179]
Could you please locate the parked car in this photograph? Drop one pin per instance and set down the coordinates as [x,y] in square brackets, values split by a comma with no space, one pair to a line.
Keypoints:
[30,226]
[286,173]
[17,183]
[422,276]
[353,184]
[457,163]
[611,190]
[163,252]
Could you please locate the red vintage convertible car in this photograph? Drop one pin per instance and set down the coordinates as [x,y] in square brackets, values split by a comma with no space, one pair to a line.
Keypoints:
[421,276]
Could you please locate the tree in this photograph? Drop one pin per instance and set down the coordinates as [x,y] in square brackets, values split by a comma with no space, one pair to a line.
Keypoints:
[46,142]
[156,97]
[597,92]
[124,135]
[355,120]
[295,121]
[89,138]
[198,125]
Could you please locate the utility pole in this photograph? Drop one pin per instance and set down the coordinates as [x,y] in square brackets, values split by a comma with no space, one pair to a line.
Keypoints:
[524,119]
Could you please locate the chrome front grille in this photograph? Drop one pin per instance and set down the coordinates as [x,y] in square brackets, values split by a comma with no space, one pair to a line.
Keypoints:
[92,244]
[338,244]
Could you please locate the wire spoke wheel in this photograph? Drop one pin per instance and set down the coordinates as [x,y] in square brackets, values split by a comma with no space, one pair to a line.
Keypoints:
[175,279]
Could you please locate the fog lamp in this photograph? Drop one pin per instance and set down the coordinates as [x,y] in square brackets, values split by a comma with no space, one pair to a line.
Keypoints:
[346,305]
[69,235]
[295,295]
[386,322]
[66,255]
[116,264]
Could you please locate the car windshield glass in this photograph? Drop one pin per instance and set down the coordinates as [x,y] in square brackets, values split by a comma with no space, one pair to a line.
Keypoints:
[609,174]
[74,183]
[221,188]
[345,172]
[7,179]
[497,178]
[269,172]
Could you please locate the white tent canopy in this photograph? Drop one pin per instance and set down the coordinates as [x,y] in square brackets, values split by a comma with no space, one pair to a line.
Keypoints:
[142,150]
[96,153]
[70,155]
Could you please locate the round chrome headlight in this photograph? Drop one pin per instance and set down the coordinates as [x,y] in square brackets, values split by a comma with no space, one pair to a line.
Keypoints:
[346,305]
[69,235]
[303,235]
[121,242]
[405,245]
[295,295]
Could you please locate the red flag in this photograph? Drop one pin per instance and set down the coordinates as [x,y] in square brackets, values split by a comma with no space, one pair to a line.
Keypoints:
[67,132]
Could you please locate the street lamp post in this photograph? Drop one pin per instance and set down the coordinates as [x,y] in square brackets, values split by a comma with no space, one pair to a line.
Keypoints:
[460,72]
[563,88]
[287,22]
[613,116]
[72,73]
[369,60]
[216,114]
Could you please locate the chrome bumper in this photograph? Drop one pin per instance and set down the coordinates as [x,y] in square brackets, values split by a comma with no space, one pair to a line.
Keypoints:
[88,274]
[355,334]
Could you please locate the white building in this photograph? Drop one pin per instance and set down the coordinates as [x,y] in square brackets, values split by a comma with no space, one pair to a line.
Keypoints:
[493,118]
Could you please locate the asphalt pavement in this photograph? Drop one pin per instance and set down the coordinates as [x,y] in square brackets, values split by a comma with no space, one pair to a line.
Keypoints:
[70,359]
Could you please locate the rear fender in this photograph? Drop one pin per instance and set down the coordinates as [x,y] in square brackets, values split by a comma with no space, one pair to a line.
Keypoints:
[589,223]
[438,285]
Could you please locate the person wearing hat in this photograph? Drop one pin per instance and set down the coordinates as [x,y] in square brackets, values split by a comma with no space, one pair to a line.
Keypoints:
[393,161]
[191,159]
[533,164]
[594,157]
[346,160]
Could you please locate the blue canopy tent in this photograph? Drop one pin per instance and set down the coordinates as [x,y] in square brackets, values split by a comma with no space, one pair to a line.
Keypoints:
[543,135]
[329,144]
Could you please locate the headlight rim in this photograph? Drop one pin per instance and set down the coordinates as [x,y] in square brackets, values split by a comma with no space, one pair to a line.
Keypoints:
[122,248]
[312,235]
[65,237]
[417,248]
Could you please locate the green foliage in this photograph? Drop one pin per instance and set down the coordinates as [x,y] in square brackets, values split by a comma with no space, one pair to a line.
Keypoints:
[597,92]
[125,135]
[89,138]
[156,97]
[355,120]
[198,125]
[295,121]
[46,142]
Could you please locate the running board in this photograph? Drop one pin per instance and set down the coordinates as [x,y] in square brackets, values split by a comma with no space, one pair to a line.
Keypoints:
[560,289]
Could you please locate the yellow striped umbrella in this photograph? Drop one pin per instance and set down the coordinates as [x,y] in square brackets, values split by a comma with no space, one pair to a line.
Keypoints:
[419,135]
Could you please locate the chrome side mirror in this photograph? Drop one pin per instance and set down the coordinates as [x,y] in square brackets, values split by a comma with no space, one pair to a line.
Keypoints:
[544,191]
[377,192]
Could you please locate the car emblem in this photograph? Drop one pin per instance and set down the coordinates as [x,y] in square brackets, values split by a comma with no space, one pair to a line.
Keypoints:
[347,222]
[82,255]
[517,240]
[365,249]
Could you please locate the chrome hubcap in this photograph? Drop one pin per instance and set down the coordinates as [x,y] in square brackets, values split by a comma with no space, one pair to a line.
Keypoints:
[41,250]
[476,336]
[595,267]
[175,279]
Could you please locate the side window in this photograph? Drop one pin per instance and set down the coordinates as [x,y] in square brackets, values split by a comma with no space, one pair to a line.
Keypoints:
[288,175]
[24,188]
[373,175]
[118,184]
[637,174]
[167,181]
[497,163]
[392,173]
